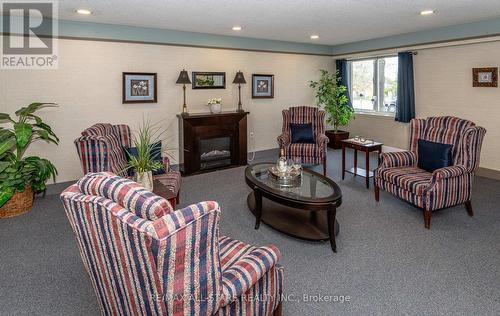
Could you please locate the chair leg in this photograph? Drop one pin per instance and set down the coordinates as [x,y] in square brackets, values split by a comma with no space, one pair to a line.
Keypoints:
[377,193]
[277,311]
[427,219]
[468,206]
[172,202]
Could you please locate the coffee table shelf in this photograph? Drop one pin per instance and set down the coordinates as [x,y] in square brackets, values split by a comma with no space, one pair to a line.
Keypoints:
[307,211]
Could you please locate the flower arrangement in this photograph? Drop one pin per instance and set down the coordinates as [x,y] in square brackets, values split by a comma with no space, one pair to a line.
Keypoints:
[214,101]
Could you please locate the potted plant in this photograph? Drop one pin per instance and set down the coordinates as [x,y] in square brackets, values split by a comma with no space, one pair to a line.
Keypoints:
[20,176]
[142,160]
[332,97]
[215,105]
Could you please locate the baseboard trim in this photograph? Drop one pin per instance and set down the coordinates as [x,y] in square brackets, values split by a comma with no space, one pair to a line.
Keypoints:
[488,173]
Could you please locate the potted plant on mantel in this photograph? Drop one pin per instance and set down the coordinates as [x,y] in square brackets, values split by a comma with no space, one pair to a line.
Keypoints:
[21,177]
[142,160]
[332,97]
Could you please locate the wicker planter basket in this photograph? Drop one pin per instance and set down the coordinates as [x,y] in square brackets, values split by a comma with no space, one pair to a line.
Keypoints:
[19,203]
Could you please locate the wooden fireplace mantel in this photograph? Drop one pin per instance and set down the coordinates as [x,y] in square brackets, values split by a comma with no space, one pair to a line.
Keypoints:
[199,126]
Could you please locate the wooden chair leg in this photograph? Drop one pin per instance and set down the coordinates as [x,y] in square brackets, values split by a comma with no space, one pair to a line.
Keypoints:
[468,206]
[377,193]
[427,219]
[172,202]
[277,311]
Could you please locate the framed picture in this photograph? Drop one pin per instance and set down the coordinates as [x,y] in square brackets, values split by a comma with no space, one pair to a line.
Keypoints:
[209,80]
[139,87]
[262,86]
[485,77]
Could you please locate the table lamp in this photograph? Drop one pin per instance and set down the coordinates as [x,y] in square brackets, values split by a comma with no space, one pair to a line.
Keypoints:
[183,79]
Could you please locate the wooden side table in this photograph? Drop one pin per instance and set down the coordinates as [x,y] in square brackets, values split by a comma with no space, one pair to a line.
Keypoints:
[367,147]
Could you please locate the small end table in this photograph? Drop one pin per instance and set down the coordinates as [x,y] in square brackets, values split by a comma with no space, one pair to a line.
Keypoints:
[367,147]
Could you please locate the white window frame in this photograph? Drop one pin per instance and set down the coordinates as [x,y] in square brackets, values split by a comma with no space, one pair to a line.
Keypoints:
[376,86]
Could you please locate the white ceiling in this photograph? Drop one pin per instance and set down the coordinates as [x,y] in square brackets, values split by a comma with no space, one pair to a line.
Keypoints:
[336,21]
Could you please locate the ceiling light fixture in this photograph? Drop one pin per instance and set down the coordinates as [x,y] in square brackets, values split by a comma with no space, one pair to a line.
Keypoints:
[314,36]
[83,11]
[426,12]
[236,28]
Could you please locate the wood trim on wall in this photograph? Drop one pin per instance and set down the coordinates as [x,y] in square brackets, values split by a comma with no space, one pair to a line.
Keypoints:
[488,173]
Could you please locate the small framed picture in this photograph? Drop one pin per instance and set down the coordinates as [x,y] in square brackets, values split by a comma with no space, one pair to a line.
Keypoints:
[209,80]
[485,77]
[262,86]
[139,87]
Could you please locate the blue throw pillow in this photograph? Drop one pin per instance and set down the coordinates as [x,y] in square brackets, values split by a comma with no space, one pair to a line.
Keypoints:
[302,133]
[155,154]
[432,155]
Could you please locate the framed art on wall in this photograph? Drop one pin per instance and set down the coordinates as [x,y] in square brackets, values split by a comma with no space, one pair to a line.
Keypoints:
[139,87]
[485,77]
[209,80]
[262,86]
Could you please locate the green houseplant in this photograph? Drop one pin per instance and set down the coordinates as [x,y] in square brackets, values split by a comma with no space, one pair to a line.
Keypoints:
[143,160]
[20,174]
[332,97]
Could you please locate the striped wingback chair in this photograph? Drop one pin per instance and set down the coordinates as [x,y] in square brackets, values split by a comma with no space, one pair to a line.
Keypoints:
[307,153]
[144,258]
[445,187]
[101,148]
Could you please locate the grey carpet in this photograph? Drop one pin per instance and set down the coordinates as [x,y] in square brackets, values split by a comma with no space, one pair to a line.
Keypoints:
[387,263]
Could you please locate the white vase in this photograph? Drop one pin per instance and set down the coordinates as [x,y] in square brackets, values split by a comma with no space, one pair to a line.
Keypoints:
[216,108]
[145,179]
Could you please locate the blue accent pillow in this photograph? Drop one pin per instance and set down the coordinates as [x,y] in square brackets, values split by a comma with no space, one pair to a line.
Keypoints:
[432,155]
[155,154]
[302,133]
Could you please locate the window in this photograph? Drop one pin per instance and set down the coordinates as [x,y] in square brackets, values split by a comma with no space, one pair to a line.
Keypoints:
[374,85]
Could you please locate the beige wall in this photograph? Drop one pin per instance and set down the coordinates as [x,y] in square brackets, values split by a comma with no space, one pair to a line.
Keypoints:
[443,86]
[87,86]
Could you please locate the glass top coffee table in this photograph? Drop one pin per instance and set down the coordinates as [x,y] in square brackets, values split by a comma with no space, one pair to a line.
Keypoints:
[305,211]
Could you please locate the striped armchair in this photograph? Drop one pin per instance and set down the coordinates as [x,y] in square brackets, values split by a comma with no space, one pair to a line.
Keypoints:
[398,172]
[307,153]
[101,148]
[144,258]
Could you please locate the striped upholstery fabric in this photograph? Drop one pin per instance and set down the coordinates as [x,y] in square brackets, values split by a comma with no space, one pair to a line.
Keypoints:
[125,192]
[174,265]
[100,148]
[307,153]
[398,172]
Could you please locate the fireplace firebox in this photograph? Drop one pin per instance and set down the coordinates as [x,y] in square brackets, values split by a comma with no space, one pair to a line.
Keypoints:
[212,141]
[215,152]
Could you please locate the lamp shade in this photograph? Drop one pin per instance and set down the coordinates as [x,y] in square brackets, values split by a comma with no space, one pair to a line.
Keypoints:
[183,77]
[239,78]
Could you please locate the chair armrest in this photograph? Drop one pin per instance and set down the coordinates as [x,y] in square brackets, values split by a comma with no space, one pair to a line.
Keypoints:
[284,139]
[398,159]
[448,172]
[247,271]
[322,140]
[443,174]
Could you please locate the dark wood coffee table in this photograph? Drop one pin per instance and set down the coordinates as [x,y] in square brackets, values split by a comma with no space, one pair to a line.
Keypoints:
[306,211]
[367,147]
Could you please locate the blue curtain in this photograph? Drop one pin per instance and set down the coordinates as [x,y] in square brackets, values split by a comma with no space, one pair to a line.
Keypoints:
[405,104]
[343,73]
